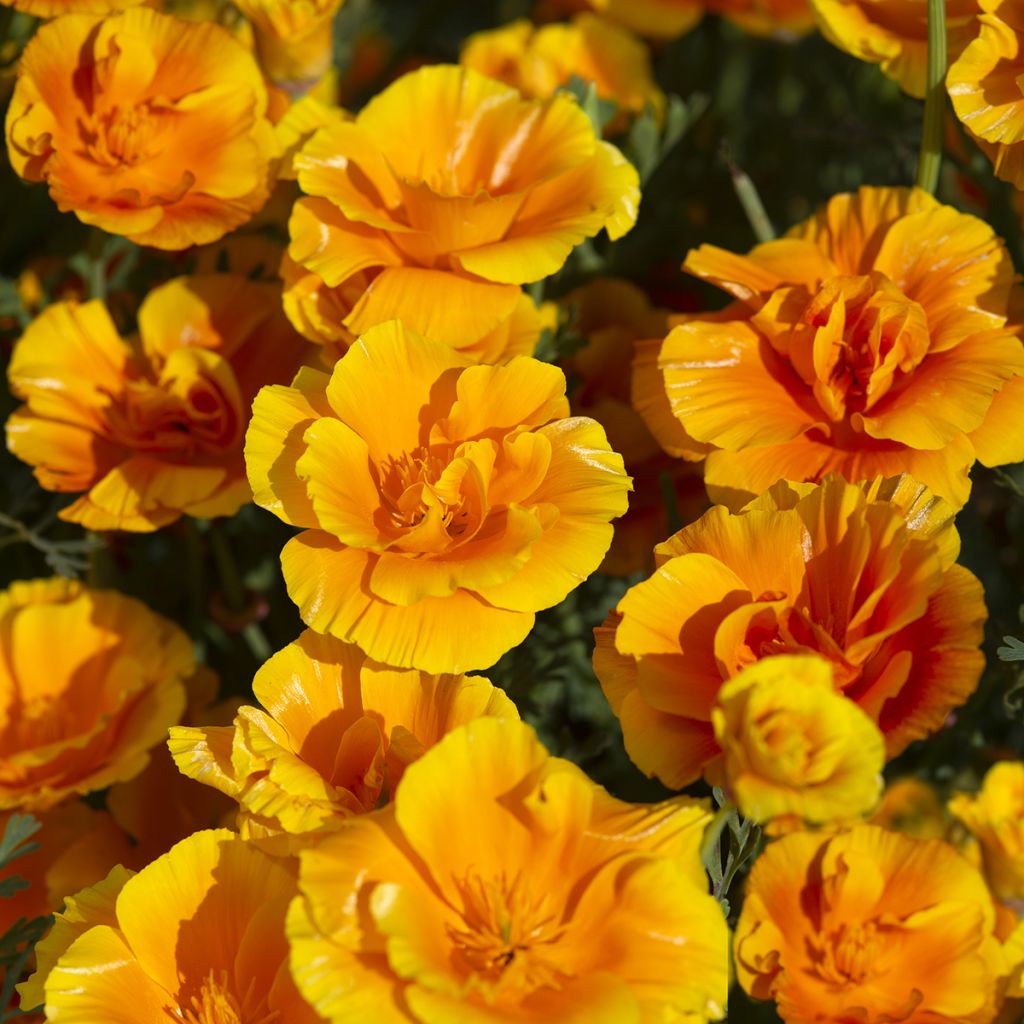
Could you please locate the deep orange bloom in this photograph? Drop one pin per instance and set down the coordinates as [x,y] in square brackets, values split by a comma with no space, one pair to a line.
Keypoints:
[986,88]
[144,125]
[612,315]
[862,575]
[871,340]
[503,886]
[152,429]
[540,60]
[77,847]
[336,737]
[869,925]
[446,194]
[894,34]
[443,503]
[82,713]
[197,936]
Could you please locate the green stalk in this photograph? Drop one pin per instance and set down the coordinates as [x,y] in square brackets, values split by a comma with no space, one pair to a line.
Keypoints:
[234,591]
[930,159]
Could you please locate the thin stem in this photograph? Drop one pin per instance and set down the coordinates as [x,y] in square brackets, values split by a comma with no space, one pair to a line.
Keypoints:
[930,159]
[750,199]
[671,500]
[235,594]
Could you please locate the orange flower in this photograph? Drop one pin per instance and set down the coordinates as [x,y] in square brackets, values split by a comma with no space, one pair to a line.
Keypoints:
[294,39]
[871,340]
[781,18]
[448,191]
[337,735]
[160,806]
[894,34]
[77,847]
[657,19]
[985,86]
[539,61]
[869,925]
[995,817]
[912,807]
[53,8]
[80,714]
[612,315]
[153,429]
[792,747]
[443,503]
[861,575]
[503,885]
[197,936]
[144,125]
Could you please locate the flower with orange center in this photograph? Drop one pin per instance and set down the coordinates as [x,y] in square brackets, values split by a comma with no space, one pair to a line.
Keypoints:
[337,735]
[77,715]
[144,125]
[987,89]
[894,34]
[612,315]
[793,748]
[869,925]
[294,39]
[860,575]
[995,817]
[871,340]
[447,192]
[149,429]
[503,885]
[77,846]
[197,937]
[443,503]
[539,61]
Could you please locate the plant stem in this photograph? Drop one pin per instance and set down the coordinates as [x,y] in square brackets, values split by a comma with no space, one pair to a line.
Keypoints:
[750,199]
[235,593]
[930,159]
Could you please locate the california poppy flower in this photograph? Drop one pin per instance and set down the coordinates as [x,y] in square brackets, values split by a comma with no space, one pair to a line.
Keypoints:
[503,885]
[144,125]
[872,340]
[470,499]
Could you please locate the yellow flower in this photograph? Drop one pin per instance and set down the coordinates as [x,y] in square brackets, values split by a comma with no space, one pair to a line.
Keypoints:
[894,34]
[539,61]
[912,807]
[443,504]
[869,925]
[54,8]
[144,125]
[659,19]
[81,713]
[153,429]
[335,739]
[448,191]
[986,88]
[862,575]
[784,19]
[197,937]
[995,817]
[503,885]
[793,747]
[294,39]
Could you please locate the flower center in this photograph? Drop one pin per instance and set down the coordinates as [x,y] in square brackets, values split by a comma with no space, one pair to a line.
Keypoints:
[416,486]
[215,1004]
[851,955]
[122,136]
[507,937]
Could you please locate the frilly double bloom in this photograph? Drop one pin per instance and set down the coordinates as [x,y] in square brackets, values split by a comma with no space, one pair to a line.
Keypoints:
[294,39]
[443,503]
[81,713]
[335,739]
[197,936]
[862,576]
[150,428]
[894,34]
[987,90]
[144,125]
[793,748]
[540,60]
[872,340]
[869,925]
[503,885]
[995,818]
[445,194]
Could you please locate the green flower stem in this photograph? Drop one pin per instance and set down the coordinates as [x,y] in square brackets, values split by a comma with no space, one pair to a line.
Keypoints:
[234,591]
[930,158]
